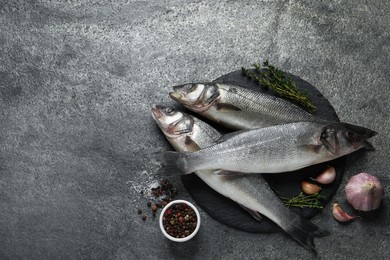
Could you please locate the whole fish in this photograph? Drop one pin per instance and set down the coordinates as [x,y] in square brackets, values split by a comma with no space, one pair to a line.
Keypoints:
[274,149]
[188,134]
[236,107]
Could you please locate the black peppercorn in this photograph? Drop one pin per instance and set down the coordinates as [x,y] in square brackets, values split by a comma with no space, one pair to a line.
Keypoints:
[177,222]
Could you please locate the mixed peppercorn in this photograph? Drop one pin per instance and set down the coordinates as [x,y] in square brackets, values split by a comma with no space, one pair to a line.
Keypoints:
[163,194]
[179,220]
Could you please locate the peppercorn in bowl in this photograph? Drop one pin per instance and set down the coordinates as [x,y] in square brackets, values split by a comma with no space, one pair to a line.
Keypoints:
[179,220]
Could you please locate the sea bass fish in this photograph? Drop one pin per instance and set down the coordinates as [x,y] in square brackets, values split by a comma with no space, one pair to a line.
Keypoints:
[236,107]
[274,149]
[188,134]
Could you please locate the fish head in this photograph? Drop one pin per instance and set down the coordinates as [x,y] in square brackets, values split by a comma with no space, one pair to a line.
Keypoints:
[172,122]
[197,97]
[340,138]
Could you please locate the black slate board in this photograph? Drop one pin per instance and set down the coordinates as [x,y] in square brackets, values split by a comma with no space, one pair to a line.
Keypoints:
[287,185]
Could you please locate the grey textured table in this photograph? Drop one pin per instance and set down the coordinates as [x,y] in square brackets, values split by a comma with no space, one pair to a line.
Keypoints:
[78,78]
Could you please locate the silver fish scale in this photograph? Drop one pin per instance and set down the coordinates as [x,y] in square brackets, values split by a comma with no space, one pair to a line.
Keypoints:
[254,105]
[272,149]
[252,191]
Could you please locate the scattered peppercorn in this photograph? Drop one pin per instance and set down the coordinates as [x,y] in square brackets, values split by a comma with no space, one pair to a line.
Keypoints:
[163,194]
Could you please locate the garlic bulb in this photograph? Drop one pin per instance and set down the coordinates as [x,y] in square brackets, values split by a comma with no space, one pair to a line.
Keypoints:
[340,214]
[364,192]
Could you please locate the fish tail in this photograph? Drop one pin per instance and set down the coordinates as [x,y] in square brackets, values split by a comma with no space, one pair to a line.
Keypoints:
[174,163]
[303,231]
[315,230]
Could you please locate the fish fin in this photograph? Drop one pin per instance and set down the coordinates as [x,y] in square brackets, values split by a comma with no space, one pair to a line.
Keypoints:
[230,135]
[368,146]
[191,144]
[222,172]
[173,163]
[256,215]
[303,231]
[225,108]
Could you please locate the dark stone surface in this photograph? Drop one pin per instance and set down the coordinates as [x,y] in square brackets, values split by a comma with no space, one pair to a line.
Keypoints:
[78,78]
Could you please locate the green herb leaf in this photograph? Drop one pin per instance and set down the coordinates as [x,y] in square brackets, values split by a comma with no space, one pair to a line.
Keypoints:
[285,87]
[304,201]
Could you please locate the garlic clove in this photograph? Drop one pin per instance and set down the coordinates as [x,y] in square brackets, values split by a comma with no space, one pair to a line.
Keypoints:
[327,176]
[340,214]
[310,188]
[364,192]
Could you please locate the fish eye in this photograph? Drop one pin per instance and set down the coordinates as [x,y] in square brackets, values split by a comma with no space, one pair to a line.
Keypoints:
[190,87]
[168,110]
[350,135]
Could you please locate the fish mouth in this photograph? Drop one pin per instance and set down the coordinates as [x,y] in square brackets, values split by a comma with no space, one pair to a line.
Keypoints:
[158,115]
[365,133]
[368,146]
[179,95]
[179,91]
[175,95]
[156,112]
[360,136]
[166,118]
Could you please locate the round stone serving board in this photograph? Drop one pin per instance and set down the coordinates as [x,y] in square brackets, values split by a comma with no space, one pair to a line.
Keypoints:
[286,185]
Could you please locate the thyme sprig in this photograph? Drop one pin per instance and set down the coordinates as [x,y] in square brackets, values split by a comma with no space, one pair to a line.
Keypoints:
[302,201]
[285,87]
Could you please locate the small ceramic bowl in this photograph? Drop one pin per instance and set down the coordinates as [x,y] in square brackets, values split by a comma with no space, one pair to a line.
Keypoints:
[184,239]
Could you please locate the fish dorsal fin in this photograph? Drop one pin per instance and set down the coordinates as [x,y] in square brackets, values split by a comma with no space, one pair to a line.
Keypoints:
[230,135]
[256,215]
[226,108]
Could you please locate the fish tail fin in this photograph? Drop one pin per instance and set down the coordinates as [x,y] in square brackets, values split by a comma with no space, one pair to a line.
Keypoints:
[174,163]
[315,230]
[303,231]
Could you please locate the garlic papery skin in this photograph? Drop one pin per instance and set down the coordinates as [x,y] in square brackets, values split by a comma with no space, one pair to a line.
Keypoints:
[340,214]
[327,176]
[310,188]
[364,192]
